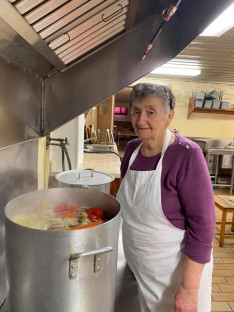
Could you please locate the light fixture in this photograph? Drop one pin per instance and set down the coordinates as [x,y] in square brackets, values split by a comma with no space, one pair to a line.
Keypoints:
[221,24]
[176,70]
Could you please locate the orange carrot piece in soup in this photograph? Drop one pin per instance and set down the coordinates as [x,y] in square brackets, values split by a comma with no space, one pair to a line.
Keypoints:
[84,226]
[70,214]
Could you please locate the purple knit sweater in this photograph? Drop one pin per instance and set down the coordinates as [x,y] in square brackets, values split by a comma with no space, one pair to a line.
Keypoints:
[187,195]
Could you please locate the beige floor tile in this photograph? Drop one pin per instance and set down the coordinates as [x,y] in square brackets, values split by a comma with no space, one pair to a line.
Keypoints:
[216,288]
[218,260]
[220,280]
[227,288]
[228,260]
[222,273]
[223,255]
[229,279]
[225,266]
[220,306]
[231,305]
[222,249]
[223,296]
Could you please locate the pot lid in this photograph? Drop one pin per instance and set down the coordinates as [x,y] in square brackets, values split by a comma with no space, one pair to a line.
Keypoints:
[84,177]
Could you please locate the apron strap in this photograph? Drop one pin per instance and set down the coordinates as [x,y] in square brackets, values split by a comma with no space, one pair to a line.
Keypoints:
[166,142]
[134,154]
[165,145]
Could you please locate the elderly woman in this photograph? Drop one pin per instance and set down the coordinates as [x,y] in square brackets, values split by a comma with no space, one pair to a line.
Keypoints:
[167,207]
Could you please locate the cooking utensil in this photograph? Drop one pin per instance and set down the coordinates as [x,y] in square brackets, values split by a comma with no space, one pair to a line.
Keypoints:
[92,179]
[72,271]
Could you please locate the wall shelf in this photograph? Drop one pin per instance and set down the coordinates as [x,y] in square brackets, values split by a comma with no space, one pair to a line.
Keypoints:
[192,109]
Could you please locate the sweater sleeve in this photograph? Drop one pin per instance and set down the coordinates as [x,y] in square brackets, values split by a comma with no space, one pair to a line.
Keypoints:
[197,199]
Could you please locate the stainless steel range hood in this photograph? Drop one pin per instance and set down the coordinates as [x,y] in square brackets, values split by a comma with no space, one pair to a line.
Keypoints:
[80,52]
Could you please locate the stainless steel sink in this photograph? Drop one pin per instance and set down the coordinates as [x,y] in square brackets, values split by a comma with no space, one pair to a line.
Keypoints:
[206,143]
[93,148]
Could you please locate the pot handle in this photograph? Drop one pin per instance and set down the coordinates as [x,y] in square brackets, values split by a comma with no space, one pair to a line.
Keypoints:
[90,174]
[73,260]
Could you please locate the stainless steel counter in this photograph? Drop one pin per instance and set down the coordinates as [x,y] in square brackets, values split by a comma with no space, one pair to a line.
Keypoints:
[217,152]
[126,287]
[219,155]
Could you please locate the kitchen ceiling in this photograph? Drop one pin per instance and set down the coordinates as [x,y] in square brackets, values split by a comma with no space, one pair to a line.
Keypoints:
[214,56]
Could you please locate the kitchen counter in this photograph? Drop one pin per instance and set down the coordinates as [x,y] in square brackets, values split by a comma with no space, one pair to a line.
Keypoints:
[221,151]
[105,162]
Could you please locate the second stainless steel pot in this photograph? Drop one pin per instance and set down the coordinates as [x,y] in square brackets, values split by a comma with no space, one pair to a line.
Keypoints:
[91,179]
[72,271]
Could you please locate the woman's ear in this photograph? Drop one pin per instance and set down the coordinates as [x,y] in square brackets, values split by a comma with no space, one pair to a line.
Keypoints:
[170,117]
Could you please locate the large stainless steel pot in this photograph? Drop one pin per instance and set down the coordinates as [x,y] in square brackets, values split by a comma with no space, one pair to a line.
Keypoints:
[71,271]
[92,179]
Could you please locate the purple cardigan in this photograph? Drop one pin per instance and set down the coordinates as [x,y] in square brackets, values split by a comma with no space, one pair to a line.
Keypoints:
[187,195]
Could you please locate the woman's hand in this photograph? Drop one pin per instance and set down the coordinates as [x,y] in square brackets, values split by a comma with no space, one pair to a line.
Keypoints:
[186,296]
[186,300]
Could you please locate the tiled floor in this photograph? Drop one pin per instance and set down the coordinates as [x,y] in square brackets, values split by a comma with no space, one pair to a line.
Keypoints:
[223,273]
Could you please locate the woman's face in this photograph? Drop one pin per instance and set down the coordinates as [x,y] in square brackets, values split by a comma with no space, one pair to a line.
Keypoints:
[149,118]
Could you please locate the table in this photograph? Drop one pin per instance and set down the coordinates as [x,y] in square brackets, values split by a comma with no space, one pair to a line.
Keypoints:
[225,204]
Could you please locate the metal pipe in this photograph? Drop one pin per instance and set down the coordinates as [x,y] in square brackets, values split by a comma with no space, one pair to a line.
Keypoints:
[166,15]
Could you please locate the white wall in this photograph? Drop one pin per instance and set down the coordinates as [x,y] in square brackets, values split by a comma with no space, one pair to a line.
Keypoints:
[80,140]
[74,132]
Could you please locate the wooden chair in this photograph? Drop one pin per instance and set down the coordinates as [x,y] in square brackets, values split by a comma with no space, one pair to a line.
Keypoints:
[226,204]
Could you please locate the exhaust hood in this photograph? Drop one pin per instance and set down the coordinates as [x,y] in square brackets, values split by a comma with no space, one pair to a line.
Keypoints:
[80,52]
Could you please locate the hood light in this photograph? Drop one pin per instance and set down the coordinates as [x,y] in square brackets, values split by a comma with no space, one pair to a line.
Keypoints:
[173,71]
[221,24]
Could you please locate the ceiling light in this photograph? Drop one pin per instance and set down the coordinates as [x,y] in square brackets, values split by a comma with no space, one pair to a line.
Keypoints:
[176,71]
[221,24]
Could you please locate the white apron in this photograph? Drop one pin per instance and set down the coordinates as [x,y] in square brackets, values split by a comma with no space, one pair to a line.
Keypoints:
[153,247]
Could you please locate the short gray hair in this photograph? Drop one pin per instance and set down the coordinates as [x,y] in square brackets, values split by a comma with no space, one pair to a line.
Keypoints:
[143,90]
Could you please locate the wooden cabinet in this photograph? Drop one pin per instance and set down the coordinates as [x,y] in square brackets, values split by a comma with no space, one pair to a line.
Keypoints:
[193,109]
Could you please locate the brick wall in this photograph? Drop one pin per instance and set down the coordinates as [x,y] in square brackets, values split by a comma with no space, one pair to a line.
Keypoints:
[198,125]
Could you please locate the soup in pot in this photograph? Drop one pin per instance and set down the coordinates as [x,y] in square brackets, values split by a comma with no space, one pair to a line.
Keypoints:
[63,217]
